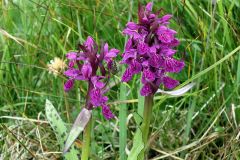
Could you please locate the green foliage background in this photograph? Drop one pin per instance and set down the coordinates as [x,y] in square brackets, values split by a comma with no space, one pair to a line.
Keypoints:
[203,124]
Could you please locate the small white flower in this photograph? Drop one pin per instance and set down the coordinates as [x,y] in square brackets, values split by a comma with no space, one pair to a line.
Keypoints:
[56,66]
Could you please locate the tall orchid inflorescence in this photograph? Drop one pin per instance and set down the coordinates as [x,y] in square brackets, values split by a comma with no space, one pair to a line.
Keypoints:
[83,65]
[150,50]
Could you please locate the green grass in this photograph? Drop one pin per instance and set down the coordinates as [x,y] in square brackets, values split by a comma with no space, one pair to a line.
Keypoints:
[202,124]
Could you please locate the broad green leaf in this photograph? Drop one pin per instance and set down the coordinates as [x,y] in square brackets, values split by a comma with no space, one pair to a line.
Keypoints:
[78,126]
[138,146]
[60,130]
[138,118]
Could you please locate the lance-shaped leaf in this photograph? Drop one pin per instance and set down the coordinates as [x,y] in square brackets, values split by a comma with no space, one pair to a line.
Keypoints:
[60,130]
[78,126]
[138,118]
[178,92]
[137,147]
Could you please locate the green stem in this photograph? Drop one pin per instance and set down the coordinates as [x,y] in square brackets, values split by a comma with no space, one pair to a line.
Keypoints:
[86,140]
[122,123]
[147,115]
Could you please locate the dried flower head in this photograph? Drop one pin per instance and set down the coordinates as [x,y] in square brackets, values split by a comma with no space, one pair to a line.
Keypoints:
[150,50]
[83,65]
[56,66]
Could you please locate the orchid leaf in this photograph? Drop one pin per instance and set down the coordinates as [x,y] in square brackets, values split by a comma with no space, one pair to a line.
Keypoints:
[78,126]
[138,145]
[60,130]
[178,92]
[138,119]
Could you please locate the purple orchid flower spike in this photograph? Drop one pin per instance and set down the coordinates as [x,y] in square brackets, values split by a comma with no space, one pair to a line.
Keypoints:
[83,65]
[149,50]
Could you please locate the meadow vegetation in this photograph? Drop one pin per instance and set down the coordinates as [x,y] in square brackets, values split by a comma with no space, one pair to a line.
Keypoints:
[202,124]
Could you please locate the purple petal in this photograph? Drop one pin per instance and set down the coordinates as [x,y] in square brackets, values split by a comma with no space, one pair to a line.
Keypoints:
[81,56]
[107,113]
[71,55]
[68,85]
[143,33]
[168,52]
[156,61]
[128,44]
[96,97]
[142,48]
[128,56]
[127,75]
[96,81]
[157,44]
[89,43]
[141,13]
[145,64]
[145,20]
[152,50]
[149,6]
[173,65]
[175,42]
[112,53]
[170,83]
[71,64]
[105,48]
[72,72]
[165,34]
[86,70]
[158,81]
[136,67]
[146,90]
[165,18]
[132,26]
[159,73]
[80,77]
[152,16]
[147,76]
[132,33]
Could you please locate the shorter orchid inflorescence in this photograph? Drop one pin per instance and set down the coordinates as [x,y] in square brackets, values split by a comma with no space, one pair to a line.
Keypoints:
[150,50]
[84,65]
